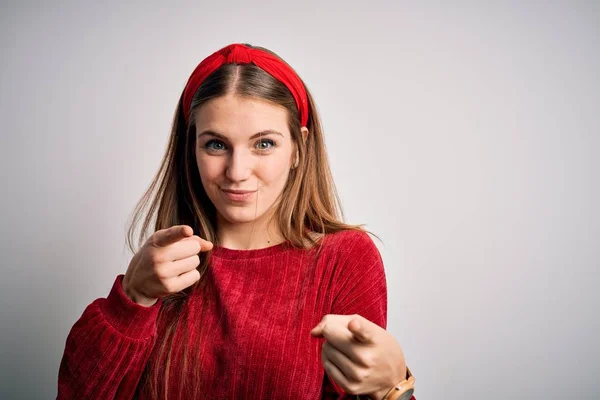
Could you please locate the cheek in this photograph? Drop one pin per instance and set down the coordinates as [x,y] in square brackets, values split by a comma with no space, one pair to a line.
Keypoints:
[209,173]
[208,169]
[273,174]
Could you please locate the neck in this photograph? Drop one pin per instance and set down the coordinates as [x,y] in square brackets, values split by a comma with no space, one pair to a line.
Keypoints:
[257,234]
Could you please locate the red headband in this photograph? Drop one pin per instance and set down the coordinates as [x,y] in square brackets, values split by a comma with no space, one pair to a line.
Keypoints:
[240,54]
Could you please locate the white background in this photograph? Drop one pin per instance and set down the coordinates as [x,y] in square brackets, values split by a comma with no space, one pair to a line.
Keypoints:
[465,135]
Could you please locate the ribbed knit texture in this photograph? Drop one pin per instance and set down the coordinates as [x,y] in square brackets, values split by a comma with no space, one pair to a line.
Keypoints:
[257,310]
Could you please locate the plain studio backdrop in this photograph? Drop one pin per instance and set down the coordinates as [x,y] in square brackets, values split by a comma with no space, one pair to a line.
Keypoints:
[466,136]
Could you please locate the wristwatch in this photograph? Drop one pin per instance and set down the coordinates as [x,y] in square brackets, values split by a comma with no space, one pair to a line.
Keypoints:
[403,390]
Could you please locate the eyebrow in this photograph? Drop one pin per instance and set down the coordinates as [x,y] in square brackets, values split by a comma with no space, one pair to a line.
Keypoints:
[208,132]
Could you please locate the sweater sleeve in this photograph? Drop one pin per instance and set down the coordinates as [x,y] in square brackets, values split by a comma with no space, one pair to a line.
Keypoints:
[360,287]
[107,348]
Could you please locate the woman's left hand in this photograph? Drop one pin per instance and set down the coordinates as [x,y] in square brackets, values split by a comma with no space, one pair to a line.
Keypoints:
[360,356]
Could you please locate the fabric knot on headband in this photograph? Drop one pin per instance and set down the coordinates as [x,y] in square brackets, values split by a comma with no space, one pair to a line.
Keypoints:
[242,54]
[236,54]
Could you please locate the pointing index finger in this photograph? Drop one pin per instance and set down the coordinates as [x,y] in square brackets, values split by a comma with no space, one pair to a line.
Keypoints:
[205,244]
[165,237]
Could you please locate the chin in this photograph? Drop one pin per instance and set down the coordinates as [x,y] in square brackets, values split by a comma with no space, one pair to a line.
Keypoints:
[240,215]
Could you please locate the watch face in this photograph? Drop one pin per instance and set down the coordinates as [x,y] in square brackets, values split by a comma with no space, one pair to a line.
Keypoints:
[407,395]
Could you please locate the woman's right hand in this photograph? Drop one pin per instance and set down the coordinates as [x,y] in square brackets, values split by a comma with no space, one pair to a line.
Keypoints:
[165,264]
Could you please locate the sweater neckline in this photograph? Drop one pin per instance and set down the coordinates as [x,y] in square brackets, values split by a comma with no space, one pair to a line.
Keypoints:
[237,254]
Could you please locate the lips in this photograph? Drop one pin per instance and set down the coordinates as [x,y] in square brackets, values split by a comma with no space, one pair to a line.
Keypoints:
[238,195]
[238,191]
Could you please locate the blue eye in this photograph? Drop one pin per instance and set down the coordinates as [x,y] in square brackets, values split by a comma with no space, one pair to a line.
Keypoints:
[209,146]
[260,144]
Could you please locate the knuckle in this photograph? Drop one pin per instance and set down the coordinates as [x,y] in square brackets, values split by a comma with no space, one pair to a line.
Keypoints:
[161,273]
[368,358]
[154,256]
[196,246]
[169,286]
[153,240]
[353,388]
[353,375]
[196,275]
[362,375]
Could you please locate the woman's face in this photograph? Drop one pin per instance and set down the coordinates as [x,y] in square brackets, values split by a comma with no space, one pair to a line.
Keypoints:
[243,144]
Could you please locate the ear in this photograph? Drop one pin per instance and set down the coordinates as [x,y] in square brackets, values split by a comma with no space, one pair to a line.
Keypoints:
[304,131]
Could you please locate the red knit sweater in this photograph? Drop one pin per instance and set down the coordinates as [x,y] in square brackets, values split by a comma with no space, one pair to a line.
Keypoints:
[257,310]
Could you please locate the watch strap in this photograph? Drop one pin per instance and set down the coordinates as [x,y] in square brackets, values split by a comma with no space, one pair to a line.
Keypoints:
[406,387]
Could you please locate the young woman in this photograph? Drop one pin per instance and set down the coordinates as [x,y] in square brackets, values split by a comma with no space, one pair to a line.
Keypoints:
[250,286]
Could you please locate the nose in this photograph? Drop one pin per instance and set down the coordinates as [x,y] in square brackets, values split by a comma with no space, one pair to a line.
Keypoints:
[239,166]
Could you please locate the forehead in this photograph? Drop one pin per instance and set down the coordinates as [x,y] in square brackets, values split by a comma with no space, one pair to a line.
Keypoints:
[234,116]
